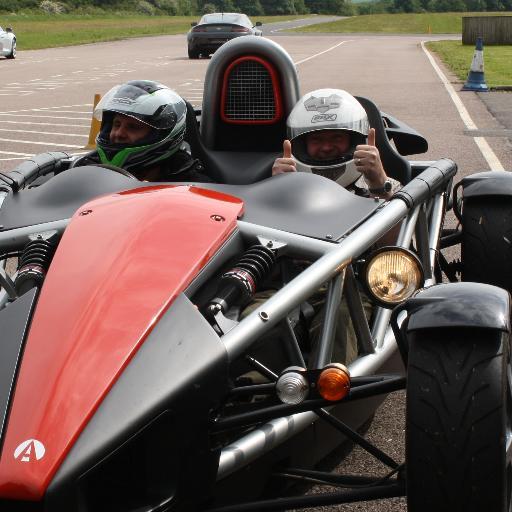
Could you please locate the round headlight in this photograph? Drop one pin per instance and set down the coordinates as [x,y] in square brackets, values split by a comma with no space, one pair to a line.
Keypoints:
[292,386]
[392,275]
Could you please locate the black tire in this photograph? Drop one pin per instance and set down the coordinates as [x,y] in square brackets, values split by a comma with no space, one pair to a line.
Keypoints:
[458,421]
[486,246]
[193,54]
[12,55]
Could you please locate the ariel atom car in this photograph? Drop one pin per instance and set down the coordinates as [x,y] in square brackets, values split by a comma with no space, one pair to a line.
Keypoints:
[213,30]
[144,365]
[7,43]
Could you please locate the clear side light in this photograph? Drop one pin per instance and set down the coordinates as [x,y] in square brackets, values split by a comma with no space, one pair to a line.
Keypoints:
[393,274]
[292,386]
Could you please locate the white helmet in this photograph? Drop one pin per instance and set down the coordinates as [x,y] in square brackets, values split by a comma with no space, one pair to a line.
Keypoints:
[328,109]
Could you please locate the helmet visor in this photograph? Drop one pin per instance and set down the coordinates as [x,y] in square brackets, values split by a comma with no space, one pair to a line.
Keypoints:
[325,148]
[160,109]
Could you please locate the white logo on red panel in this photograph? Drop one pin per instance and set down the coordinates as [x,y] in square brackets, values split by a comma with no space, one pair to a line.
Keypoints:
[30,450]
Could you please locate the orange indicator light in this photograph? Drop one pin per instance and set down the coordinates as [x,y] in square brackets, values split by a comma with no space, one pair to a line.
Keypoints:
[334,382]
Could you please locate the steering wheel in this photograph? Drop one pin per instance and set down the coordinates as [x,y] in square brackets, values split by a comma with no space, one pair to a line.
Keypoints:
[120,170]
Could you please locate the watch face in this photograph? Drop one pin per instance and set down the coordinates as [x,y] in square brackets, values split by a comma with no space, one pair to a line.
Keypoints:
[387,186]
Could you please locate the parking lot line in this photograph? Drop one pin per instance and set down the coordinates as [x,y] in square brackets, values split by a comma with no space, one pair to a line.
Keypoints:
[41,143]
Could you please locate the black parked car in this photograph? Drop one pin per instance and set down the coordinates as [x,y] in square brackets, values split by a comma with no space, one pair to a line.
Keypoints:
[213,30]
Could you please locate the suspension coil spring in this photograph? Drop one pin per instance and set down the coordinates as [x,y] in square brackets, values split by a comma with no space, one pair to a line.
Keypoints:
[34,263]
[240,283]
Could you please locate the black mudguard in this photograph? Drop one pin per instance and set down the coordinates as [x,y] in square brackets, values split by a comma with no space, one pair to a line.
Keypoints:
[457,305]
[491,183]
[451,306]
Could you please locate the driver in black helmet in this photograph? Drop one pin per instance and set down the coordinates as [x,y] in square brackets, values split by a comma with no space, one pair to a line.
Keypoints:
[142,129]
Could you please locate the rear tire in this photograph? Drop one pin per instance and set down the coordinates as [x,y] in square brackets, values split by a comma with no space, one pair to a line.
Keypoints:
[458,421]
[486,246]
[12,55]
[193,54]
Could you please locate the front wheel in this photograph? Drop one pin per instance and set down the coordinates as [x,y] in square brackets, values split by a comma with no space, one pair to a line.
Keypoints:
[458,428]
[12,55]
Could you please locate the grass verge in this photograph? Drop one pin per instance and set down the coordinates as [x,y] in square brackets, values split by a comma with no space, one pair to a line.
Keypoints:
[422,23]
[458,57]
[34,32]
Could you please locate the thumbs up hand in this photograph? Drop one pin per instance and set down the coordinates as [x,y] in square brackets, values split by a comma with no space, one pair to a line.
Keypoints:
[286,163]
[368,162]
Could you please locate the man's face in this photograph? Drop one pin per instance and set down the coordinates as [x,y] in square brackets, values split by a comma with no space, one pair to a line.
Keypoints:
[127,130]
[327,144]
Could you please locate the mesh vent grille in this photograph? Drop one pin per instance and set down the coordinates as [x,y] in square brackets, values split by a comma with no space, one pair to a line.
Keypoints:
[249,94]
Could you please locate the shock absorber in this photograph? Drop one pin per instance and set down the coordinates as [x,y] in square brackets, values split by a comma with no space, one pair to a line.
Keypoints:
[238,285]
[35,261]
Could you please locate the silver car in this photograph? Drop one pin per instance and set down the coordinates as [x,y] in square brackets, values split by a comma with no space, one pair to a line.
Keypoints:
[213,30]
[7,43]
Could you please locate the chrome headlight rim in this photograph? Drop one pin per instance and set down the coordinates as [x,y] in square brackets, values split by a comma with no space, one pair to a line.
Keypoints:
[370,260]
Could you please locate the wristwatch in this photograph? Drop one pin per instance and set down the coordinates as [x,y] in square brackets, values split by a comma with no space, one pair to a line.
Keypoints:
[386,188]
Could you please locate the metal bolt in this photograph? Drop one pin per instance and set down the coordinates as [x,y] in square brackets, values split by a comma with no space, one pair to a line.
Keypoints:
[329,237]
[263,315]
[85,212]
[217,218]
[270,244]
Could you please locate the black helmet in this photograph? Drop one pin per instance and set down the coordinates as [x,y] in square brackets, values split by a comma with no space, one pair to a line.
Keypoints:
[151,103]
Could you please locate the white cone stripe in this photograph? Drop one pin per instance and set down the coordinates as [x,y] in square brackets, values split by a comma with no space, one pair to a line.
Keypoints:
[488,154]
[477,64]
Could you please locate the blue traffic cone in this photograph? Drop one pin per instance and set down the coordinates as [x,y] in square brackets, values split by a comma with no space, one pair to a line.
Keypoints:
[476,79]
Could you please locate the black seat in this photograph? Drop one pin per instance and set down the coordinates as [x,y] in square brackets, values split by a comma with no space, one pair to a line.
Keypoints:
[396,166]
[251,85]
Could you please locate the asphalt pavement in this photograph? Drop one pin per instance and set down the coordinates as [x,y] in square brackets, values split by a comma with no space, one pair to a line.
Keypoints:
[499,104]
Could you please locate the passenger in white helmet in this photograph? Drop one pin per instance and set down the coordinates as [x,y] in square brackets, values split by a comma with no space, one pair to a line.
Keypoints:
[329,135]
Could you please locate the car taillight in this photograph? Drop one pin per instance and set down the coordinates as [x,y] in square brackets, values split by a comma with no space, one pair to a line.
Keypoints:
[199,29]
[245,30]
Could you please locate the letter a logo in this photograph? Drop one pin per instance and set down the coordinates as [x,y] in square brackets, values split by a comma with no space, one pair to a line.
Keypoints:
[29,450]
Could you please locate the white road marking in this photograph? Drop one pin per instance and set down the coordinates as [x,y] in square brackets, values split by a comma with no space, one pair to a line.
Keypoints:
[46,124]
[51,117]
[14,158]
[490,157]
[41,143]
[13,153]
[321,53]
[10,130]
[45,108]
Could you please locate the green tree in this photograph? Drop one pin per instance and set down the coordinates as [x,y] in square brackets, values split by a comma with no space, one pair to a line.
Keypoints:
[328,6]
[300,7]
[408,6]
[278,6]
[249,7]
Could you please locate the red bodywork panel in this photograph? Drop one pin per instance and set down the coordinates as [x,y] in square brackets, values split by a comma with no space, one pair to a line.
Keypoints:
[122,261]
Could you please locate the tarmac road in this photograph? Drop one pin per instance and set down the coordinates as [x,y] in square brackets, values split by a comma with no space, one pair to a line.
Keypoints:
[46,100]
[46,95]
